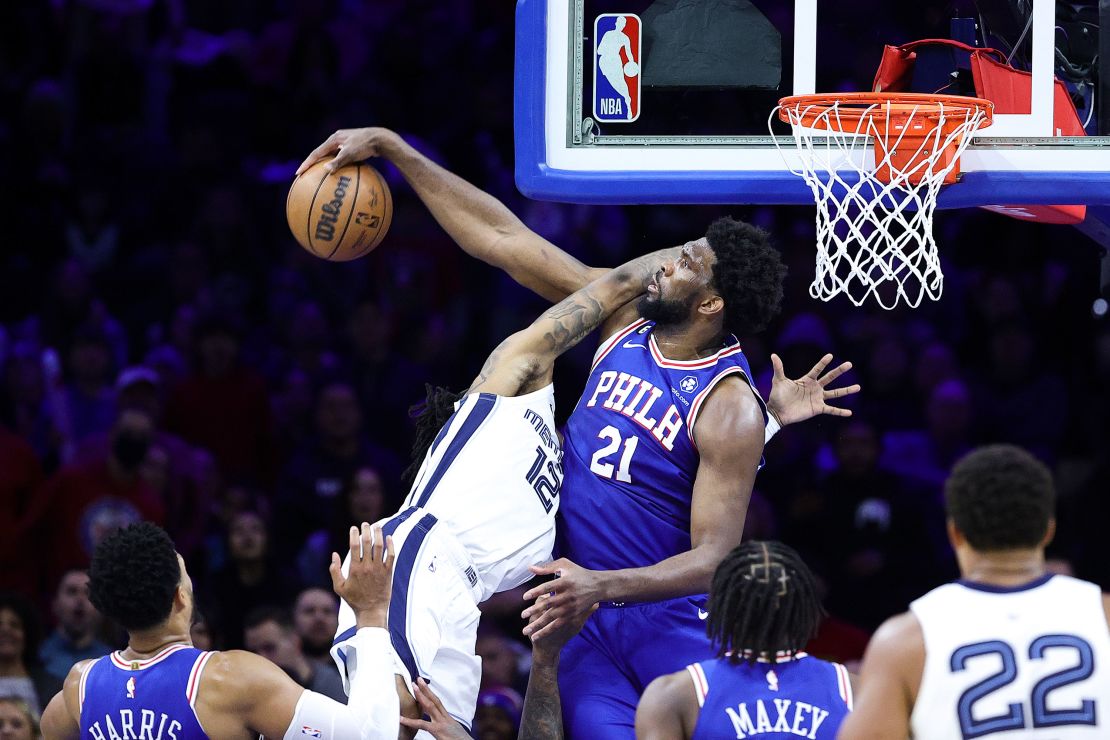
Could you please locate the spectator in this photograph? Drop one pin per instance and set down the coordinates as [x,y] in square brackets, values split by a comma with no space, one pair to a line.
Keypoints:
[17,721]
[88,394]
[315,617]
[21,673]
[169,467]
[871,532]
[222,406]
[249,579]
[501,658]
[498,714]
[20,476]
[87,501]
[315,478]
[75,637]
[926,455]
[269,632]
[362,500]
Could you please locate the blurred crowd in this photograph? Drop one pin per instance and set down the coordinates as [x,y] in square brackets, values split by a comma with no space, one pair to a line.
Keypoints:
[167,351]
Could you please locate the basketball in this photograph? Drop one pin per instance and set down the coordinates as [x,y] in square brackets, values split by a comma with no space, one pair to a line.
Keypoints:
[341,216]
[631,69]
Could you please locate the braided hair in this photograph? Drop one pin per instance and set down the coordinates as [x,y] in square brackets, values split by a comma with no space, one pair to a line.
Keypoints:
[763,603]
[429,417]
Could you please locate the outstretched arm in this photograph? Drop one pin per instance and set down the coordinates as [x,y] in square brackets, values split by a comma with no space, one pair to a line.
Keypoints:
[729,437]
[477,221]
[523,362]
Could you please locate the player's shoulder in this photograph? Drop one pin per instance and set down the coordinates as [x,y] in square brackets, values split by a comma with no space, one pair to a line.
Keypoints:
[730,409]
[900,637]
[671,693]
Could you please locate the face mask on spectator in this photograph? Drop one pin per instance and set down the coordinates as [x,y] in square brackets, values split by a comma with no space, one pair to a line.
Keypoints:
[130,449]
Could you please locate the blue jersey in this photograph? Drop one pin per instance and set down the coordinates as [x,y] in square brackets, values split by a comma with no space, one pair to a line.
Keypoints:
[149,699]
[798,697]
[629,454]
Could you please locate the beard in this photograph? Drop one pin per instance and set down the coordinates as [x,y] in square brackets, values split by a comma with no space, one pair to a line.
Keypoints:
[665,312]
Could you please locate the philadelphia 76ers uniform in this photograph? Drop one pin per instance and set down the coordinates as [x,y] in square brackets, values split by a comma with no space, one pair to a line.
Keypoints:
[154,698]
[630,463]
[800,696]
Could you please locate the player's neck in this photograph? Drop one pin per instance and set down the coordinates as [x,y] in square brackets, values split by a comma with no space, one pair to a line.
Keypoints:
[149,643]
[1008,568]
[687,341]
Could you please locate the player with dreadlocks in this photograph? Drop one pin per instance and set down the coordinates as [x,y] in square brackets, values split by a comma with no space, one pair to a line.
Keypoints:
[763,609]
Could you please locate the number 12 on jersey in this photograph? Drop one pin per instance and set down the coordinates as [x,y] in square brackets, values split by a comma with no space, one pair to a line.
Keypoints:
[545,485]
[605,469]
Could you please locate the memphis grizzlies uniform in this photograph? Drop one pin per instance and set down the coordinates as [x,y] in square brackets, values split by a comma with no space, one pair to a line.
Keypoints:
[630,463]
[154,698]
[1022,662]
[800,696]
[482,509]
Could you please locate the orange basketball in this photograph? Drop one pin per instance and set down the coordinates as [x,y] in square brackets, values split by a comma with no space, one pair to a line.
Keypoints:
[340,216]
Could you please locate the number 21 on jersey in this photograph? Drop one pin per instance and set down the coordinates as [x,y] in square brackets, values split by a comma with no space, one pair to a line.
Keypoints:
[604,469]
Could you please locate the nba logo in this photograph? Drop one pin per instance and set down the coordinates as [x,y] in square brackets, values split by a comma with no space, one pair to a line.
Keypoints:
[131,688]
[617,68]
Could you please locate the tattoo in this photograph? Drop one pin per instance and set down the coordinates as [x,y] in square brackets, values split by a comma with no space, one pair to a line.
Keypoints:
[543,713]
[574,318]
[490,366]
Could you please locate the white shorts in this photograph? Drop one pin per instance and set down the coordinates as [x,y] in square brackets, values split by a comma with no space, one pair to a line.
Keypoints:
[433,613]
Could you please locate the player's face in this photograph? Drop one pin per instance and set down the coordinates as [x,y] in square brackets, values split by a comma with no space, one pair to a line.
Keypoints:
[679,285]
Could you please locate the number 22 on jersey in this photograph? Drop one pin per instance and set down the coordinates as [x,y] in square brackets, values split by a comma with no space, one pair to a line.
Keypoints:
[1076,660]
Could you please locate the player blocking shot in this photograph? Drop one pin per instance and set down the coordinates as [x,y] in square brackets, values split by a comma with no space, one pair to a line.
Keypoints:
[763,609]
[482,507]
[1009,650]
[160,686]
[660,490]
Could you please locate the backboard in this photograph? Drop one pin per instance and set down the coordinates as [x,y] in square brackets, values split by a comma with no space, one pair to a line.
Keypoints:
[703,138]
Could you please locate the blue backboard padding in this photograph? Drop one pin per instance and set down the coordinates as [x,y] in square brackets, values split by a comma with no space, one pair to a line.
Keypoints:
[535,179]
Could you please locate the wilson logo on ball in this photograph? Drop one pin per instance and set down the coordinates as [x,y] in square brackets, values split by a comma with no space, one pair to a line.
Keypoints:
[325,227]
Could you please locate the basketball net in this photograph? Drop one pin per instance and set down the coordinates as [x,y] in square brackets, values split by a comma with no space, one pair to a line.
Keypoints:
[875,222]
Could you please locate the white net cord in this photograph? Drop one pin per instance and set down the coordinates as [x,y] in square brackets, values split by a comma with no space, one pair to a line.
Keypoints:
[875,238]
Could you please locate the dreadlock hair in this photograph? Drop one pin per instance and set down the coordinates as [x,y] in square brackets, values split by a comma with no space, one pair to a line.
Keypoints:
[1000,498]
[748,274]
[763,603]
[133,576]
[429,417]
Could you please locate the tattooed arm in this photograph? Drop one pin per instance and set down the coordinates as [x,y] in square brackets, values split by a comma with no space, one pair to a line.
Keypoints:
[523,362]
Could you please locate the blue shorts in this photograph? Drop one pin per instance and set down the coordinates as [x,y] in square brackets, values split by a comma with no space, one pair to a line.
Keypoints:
[605,668]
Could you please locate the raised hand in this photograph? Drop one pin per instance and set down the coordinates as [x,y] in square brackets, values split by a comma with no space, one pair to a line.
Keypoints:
[369,579]
[560,602]
[440,724]
[797,400]
[351,145]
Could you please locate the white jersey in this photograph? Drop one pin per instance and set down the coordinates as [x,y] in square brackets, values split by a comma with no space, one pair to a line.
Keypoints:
[492,477]
[1024,662]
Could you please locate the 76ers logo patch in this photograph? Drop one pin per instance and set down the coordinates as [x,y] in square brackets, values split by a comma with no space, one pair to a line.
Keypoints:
[617,67]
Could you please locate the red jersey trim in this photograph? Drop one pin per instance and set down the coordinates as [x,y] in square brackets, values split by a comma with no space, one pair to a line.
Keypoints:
[138,665]
[614,340]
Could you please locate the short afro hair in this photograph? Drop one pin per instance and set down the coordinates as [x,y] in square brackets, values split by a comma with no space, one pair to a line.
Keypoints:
[134,575]
[1000,498]
[748,274]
